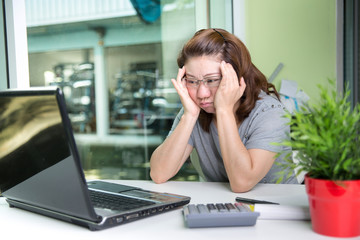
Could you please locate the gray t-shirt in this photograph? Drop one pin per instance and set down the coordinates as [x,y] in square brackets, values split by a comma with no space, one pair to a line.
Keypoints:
[264,126]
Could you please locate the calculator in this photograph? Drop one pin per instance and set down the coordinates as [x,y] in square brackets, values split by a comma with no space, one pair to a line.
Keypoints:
[219,215]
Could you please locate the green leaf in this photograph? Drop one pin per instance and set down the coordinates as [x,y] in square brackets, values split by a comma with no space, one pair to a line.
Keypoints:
[326,135]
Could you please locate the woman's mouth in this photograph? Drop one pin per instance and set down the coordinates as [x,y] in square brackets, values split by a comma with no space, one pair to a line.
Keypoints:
[205,104]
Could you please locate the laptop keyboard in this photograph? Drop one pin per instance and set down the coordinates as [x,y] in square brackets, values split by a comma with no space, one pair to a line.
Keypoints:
[116,202]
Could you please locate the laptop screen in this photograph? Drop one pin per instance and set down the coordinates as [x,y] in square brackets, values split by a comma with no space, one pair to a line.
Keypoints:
[32,137]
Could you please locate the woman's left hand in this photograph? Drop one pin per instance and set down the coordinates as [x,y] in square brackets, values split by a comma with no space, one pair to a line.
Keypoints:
[230,90]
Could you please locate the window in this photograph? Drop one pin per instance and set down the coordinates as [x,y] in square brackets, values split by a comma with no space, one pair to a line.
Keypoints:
[114,61]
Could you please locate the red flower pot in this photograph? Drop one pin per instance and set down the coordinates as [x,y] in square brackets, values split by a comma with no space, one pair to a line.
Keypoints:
[334,206]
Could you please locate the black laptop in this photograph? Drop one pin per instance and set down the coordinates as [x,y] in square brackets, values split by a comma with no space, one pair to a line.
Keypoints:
[40,169]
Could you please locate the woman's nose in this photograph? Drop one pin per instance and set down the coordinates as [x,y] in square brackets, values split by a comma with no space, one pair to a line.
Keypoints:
[203,91]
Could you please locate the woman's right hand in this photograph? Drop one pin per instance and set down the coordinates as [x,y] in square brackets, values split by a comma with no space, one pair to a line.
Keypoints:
[190,107]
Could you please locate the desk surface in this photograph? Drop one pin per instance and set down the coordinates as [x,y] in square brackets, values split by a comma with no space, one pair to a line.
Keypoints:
[16,223]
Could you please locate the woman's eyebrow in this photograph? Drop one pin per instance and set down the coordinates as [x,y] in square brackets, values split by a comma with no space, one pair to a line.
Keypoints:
[212,74]
[206,75]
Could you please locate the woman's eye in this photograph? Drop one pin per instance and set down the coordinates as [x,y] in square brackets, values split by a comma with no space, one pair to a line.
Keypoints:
[213,80]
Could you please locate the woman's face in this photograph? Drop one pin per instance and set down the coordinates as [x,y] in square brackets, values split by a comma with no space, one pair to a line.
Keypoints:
[203,68]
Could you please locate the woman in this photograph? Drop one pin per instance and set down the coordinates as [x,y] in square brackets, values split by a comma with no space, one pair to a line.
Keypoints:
[231,115]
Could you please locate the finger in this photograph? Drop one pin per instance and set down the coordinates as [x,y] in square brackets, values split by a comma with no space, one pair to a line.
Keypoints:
[223,69]
[230,70]
[224,74]
[176,84]
[181,74]
[181,91]
[180,83]
[242,84]
[231,76]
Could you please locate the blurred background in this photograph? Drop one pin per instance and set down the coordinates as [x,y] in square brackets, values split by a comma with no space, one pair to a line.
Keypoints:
[114,60]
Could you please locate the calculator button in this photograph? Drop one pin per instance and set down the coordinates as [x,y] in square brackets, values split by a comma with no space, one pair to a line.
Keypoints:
[211,207]
[231,207]
[202,208]
[242,207]
[193,209]
[221,207]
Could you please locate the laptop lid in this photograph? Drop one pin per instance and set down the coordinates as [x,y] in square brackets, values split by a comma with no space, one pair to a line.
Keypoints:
[37,153]
[40,168]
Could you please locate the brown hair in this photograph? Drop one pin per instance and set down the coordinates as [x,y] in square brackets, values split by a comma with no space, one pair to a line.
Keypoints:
[218,42]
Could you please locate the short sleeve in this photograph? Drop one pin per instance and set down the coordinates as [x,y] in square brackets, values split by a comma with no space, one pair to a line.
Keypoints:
[268,126]
[176,122]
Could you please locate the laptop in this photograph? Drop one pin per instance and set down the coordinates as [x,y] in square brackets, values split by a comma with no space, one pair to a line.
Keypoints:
[40,168]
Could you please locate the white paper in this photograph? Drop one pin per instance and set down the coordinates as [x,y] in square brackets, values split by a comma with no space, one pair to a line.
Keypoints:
[289,103]
[288,88]
[286,212]
[302,97]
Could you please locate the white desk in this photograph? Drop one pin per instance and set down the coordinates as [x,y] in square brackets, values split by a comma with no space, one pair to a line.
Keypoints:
[18,224]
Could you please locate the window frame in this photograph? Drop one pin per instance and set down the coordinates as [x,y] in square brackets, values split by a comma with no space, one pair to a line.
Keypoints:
[351,64]
[16,44]
[4,83]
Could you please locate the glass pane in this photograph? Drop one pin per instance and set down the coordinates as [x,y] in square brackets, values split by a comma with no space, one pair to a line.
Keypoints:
[114,64]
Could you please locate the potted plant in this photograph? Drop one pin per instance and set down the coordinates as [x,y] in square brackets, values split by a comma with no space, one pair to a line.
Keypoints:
[326,137]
